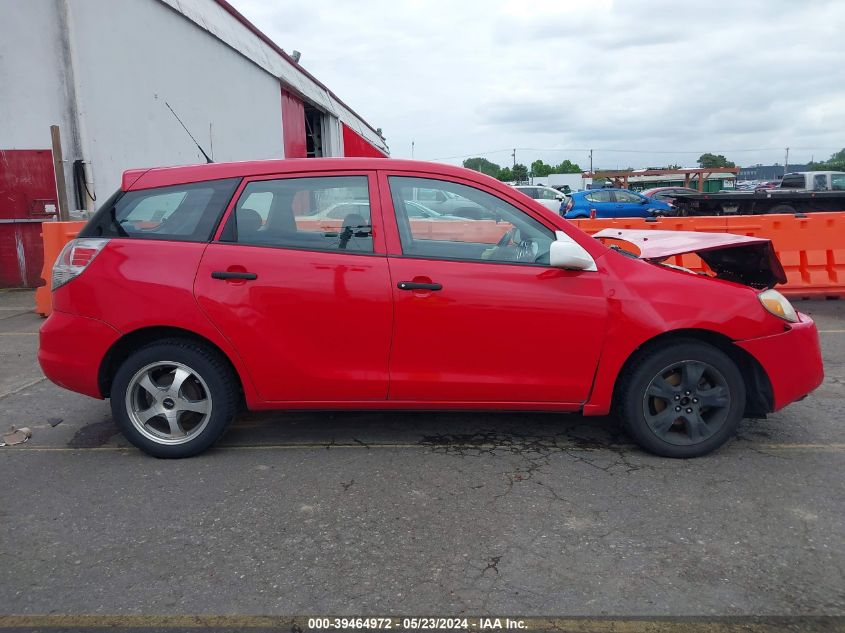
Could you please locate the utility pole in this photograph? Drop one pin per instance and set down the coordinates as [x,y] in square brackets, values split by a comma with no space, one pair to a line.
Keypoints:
[786,162]
[591,161]
[412,149]
[513,155]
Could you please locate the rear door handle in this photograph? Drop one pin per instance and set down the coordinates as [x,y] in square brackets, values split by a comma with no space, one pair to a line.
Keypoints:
[225,274]
[416,285]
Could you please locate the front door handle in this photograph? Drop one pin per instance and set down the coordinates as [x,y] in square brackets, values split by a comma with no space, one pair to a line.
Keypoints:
[226,274]
[416,285]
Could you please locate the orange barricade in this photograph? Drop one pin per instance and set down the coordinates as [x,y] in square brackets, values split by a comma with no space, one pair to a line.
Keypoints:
[54,235]
[811,248]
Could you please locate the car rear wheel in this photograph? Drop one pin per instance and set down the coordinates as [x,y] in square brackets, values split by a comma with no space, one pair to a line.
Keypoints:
[683,399]
[782,208]
[174,398]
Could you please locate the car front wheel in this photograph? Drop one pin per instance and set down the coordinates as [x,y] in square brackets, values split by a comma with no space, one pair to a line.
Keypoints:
[174,398]
[683,399]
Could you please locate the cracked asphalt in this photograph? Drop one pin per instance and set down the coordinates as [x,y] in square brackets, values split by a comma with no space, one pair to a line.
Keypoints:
[417,513]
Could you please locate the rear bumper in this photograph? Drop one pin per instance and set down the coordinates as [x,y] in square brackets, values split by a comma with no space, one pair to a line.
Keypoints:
[792,360]
[71,349]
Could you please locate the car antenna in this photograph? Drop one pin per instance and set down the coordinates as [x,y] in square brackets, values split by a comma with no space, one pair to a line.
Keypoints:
[199,147]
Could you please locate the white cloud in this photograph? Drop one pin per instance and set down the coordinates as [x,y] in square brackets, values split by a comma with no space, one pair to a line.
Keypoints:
[658,77]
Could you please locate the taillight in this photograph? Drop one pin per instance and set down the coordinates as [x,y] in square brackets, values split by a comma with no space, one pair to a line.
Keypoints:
[592,214]
[74,258]
[569,205]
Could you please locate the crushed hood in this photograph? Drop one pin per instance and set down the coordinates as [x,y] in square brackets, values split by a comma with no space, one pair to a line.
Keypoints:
[747,260]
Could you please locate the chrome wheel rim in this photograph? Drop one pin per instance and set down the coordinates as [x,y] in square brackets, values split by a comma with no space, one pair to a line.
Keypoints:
[687,402]
[168,402]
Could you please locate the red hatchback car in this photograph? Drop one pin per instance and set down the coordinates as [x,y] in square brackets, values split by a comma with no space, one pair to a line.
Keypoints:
[317,284]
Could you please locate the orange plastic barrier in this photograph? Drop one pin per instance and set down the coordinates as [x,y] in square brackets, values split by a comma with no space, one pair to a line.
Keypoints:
[54,235]
[811,248]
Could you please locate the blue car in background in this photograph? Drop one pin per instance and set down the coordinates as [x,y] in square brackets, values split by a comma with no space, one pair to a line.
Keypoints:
[612,203]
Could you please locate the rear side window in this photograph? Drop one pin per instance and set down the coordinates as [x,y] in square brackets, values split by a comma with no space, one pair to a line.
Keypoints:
[792,181]
[318,213]
[187,213]
[599,196]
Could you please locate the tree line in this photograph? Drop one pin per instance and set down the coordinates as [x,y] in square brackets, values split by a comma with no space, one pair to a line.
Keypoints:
[540,169]
[519,172]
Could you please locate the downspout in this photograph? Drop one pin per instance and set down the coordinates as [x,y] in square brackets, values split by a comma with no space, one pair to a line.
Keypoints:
[76,126]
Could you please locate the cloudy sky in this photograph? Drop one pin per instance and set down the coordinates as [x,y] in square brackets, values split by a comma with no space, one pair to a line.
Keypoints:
[644,83]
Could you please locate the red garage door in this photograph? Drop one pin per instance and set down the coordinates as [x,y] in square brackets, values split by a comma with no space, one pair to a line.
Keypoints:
[293,125]
[27,198]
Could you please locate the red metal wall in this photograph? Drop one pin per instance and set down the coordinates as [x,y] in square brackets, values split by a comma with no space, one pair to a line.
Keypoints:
[355,145]
[293,125]
[27,189]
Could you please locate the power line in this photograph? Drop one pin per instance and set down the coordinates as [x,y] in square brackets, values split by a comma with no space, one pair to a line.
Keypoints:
[631,151]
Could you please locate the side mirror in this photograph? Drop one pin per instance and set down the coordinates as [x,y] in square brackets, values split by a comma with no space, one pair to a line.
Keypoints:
[559,198]
[645,201]
[566,253]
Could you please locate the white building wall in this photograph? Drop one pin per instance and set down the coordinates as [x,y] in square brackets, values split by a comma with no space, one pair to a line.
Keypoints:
[34,87]
[210,16]
[103,69]
[130,58]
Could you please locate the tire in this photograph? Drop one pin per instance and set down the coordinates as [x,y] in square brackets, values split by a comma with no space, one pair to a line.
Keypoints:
[172,423]
[782,208]
[662,405]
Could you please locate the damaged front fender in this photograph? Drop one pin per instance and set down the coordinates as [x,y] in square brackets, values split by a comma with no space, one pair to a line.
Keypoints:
[750,261]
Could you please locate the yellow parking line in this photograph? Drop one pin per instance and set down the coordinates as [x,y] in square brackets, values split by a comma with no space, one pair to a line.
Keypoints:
[831,331]
[833,447]
[18,333]
[576,624]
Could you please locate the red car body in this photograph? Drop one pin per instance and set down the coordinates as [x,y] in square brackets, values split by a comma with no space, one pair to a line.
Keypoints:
[318,330]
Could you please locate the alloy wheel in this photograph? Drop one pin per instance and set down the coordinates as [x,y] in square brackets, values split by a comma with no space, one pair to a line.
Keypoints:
[168,402]
[687,402]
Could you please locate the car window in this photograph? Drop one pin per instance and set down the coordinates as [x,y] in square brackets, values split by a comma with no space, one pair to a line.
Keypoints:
[547,194]
[626,196]
[599,196]
[819,182]
[503,233]
[792,181]
[187,212]
[430,195]
[837,182]
[323,213]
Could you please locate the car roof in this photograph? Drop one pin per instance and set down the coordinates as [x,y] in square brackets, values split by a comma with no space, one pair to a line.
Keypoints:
[164,176]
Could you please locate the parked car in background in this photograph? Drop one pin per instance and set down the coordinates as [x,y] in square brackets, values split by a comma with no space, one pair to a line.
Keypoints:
[666,194]
[612,203]
[181,306]
[770,184]
[548,197]
[449,203]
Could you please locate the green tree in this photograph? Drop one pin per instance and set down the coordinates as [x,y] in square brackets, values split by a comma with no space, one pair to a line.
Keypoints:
[714,160]
[483,165]
[540,169]
[567,167]
[836,162]
[505,174]
[520,172]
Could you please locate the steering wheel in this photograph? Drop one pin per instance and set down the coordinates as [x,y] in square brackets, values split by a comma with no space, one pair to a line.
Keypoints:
[527,251]
[508,237]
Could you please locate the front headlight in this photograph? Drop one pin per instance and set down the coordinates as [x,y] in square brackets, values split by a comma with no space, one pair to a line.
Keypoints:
[778,305]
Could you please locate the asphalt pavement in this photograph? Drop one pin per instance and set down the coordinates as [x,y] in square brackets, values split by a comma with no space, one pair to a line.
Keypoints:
[416,513]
